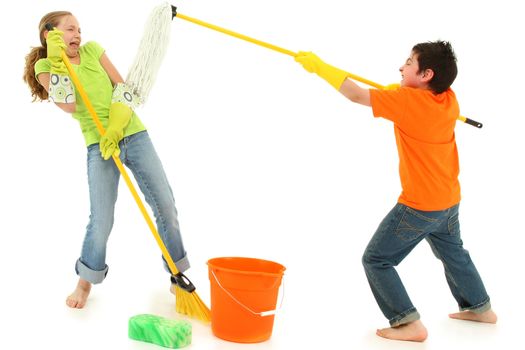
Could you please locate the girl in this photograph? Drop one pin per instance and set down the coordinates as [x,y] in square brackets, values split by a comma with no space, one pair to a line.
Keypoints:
[125,136]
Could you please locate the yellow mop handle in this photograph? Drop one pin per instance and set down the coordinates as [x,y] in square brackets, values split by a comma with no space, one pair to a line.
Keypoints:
[293,54]
[237,35]
[120,167]
[264,44]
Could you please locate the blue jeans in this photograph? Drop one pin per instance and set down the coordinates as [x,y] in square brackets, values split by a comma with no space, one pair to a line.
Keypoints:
[399,232]
[138,154]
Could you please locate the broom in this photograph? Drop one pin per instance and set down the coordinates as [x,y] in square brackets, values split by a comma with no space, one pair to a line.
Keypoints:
[187,300]
[138,74]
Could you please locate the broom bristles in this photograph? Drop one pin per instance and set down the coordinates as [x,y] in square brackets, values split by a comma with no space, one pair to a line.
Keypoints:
[191,304]
[151,51]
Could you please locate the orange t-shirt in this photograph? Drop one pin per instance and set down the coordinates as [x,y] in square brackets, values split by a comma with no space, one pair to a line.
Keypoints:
[428,156]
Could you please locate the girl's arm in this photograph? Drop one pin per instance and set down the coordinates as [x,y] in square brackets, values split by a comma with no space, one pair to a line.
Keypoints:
[110,69]
[43,79]
[120,111]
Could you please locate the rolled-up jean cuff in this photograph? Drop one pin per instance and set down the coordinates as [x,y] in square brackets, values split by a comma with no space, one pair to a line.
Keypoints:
[182,264]
[479,308]
[90,275]
[408,316]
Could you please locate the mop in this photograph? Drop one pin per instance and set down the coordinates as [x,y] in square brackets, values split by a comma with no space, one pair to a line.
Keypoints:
[151,52]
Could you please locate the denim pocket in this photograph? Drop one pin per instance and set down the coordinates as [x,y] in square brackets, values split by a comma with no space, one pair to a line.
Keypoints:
[453,224]
[413,224]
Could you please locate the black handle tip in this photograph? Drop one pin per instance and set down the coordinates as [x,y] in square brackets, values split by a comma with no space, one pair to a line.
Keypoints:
[173,12]
[49,26]
[474,123]
[183,282]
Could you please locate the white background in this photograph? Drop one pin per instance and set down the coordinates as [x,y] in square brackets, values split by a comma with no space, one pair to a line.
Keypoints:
[265,161]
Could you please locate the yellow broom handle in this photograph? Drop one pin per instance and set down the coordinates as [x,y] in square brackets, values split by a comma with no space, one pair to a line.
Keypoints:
[120,167]
[293,54]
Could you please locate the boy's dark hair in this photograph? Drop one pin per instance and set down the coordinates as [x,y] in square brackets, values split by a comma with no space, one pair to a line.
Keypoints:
[438,56]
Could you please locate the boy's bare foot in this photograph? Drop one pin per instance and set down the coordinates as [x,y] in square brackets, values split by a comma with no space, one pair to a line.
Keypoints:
[77,299]
[413,331]
[488,316]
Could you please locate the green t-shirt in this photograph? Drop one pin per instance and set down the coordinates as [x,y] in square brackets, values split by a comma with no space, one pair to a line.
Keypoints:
[99,90]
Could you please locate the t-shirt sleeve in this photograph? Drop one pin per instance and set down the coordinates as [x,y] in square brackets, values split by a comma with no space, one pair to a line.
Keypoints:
[388,104]
[94,49]
[42,66]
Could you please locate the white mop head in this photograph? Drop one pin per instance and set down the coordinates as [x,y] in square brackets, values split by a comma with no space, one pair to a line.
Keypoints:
[152,49]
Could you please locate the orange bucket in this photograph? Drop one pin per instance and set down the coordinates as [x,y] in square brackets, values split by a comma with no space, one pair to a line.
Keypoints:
[243,297]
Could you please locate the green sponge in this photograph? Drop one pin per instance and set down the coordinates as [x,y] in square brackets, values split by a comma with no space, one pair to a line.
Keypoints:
[159,330]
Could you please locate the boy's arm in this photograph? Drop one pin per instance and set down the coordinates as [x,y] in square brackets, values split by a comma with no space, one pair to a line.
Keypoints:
[355,93]
[335,77]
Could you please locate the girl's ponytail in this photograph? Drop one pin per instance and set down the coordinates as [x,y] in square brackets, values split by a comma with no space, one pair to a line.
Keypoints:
[37,91]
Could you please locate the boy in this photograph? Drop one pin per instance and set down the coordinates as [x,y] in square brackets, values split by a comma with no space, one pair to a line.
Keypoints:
[424,111]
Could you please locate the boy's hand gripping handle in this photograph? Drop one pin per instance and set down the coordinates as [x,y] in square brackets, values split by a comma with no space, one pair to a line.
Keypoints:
[286,52]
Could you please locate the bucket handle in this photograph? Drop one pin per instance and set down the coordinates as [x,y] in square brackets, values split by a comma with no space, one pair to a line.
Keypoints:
[262,313]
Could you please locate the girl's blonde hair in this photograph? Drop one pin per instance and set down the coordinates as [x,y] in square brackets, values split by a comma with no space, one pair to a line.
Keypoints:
[37,91]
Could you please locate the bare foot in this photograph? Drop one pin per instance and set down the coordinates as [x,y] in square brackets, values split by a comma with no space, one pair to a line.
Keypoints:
[413,331]
[77,299]
[488,316]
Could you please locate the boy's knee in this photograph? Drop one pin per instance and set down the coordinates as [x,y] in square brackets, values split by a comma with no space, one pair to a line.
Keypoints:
[367,259]
[371,260]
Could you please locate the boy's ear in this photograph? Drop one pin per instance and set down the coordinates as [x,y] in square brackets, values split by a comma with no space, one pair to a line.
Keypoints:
[427,75]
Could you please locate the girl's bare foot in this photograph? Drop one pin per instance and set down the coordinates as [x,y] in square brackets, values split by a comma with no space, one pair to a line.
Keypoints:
[413,331]
[77,299]
[488,316]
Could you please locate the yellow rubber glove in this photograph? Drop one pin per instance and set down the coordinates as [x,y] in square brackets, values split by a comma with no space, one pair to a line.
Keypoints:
[394,86]
[119,117]
[55,46]
[313,64]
